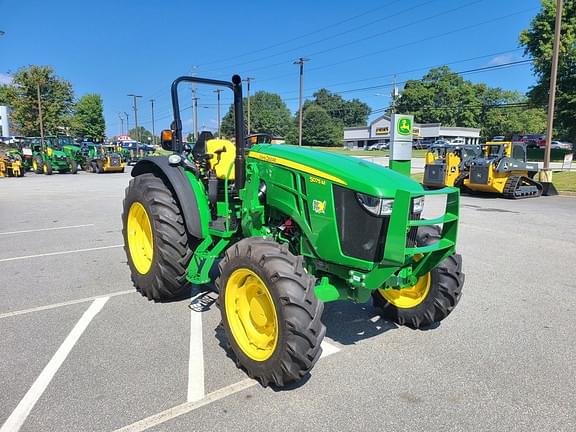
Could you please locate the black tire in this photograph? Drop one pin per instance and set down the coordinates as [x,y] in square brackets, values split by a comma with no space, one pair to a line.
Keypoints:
[443,296]
[39,164]
[173,247]
[48,166]
[99,167]
[73,167]
[93,167]
[300,330]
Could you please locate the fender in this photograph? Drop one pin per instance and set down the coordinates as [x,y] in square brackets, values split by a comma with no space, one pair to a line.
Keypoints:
[176,176]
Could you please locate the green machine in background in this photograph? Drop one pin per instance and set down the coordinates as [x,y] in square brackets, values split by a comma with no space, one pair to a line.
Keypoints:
[291,228]
[48,156]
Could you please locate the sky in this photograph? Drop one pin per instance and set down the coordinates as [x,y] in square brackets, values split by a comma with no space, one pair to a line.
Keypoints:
[116,48]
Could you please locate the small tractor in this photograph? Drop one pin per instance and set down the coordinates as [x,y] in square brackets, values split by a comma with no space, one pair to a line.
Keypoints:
[289,228]
[48,156]
[502,169]
[449,165]
[10,164]
[103,158]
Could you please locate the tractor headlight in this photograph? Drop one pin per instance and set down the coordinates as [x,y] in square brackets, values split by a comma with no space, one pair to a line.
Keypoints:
[418,204]
[376,206]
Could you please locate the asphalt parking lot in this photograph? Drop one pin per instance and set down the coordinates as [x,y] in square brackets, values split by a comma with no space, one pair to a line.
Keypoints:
[81,351]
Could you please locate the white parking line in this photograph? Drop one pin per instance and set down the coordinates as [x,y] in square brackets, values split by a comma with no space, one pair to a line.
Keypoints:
[19,415]
[185,408]
[195,359]
[66,303]
[46,229]
[60,253]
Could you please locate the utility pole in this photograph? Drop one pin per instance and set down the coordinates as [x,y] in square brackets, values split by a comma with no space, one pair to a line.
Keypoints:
[127,125]
[218,91]
[153,125]
[40,112]
[194,106]
[248,79]
[300,62]
[135,108]
[121,123]
[394,96]
[546,175]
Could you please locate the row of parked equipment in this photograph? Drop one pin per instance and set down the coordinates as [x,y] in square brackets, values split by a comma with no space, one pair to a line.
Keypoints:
[60,154]
[498,167]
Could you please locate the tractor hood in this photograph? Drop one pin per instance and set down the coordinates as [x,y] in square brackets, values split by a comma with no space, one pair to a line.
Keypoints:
[347,171]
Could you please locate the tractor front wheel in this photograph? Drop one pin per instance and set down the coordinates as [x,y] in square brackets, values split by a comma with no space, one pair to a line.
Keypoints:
[73,167]
[270,314]
[432,298]
[156,241]
[37,165]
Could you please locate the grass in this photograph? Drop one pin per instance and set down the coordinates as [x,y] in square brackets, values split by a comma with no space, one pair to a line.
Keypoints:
[565,181]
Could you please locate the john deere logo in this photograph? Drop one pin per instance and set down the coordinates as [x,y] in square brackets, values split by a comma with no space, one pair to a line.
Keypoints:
[319,206]
[405,126]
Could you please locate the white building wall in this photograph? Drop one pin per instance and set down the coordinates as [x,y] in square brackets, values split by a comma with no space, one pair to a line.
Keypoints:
[4,128]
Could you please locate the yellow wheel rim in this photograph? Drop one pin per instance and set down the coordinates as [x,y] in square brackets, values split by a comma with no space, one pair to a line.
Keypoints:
[44,168]
[251,314]
[140,239]
[34,165]
[409,297]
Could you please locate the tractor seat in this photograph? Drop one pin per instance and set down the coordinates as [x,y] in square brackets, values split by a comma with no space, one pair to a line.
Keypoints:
[223,154]
[199,148]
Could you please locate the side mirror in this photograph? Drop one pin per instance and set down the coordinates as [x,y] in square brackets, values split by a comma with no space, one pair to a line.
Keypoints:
[166,139]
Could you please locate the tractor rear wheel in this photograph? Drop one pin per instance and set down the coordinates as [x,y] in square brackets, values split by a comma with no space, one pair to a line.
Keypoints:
[47,167]
[99,167]
[432,298]
[156,241]
[269,311]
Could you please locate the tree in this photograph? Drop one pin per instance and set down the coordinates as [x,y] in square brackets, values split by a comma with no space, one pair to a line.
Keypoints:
[350,113]
[142,134]
[441,96]
[319,129]
[537,41]
[56,100]
[268,113]
[88,120]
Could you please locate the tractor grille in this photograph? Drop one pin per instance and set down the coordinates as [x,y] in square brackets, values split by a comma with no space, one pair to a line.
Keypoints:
[114,161]
[413,232]
[479,174]
[435,173]
[362,235]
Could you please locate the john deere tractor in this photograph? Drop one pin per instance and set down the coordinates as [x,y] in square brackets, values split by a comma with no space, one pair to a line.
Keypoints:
[102,158]
[48,156]
[502,169]
[449,165]
[66,144]
[290,229]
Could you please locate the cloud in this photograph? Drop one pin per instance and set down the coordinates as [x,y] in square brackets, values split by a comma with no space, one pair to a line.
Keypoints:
[503,59]
[5,79]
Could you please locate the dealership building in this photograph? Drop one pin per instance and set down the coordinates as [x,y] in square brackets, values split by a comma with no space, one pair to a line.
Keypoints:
[378,132]
[4,124]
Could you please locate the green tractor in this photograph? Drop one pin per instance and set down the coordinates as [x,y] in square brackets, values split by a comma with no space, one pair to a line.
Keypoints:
[66,144]
[48,156]
[290,228]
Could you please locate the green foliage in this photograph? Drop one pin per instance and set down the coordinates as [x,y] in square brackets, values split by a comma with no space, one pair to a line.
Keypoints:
[537,41]
[319,129]
[141,134]
[88,119]
[442,96]
[350,113]
[56,99]
[268,113]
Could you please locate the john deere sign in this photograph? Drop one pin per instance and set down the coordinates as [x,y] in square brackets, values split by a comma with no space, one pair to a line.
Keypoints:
[401,142]
[404,126]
